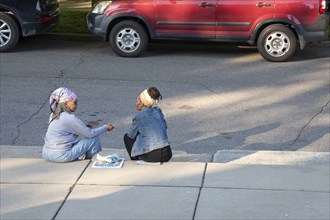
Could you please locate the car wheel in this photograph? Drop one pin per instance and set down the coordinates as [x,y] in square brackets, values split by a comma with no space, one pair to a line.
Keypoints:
[128,39]
[9,32]
[277,43]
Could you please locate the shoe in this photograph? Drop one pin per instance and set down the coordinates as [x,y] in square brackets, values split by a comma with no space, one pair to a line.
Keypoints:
[82,157]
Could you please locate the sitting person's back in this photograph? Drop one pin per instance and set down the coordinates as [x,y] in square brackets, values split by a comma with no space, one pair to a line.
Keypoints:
[147,138]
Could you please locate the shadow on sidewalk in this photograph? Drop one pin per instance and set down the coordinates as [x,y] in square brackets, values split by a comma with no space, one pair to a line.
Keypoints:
[210,192]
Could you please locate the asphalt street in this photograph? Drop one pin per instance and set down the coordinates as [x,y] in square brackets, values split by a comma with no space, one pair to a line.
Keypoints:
[215,97]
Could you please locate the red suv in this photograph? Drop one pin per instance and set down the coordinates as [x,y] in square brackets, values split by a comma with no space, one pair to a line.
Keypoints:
[277,27]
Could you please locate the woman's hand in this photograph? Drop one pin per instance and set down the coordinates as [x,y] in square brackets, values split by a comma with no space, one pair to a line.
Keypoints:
[110,127]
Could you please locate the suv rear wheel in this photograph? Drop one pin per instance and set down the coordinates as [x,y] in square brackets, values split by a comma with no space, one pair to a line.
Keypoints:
[9,32]
[128,39]
[277,43]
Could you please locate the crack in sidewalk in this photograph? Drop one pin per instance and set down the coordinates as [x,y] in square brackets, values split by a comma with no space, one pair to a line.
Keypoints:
[308,123]
[200,191]
[70,190]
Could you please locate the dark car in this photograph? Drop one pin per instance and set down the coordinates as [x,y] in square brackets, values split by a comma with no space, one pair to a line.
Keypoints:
[277,27]
[22,18]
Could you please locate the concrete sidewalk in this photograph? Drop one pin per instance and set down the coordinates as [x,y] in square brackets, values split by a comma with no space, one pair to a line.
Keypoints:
[32,188]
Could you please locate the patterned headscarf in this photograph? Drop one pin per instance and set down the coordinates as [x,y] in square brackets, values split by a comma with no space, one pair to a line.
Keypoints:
[61,95]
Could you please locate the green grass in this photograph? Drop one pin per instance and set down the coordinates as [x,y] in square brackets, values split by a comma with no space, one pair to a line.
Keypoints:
[72,21]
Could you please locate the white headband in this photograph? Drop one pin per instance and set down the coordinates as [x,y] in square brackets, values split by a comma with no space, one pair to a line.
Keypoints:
[146,98]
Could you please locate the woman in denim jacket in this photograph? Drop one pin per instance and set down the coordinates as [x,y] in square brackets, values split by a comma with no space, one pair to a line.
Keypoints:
[147,138]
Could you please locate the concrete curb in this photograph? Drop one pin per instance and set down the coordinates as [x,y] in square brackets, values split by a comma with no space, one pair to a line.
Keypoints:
[221,156]
[9,151]
[272,157]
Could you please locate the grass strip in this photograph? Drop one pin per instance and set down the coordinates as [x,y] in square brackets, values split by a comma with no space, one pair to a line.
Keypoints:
[72,21]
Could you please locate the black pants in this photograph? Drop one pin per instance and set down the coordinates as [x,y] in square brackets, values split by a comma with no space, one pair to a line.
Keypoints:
[160,155]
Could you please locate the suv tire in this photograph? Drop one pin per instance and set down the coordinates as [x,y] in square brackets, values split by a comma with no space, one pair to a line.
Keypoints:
[128,39]
[277,43]
[9,32]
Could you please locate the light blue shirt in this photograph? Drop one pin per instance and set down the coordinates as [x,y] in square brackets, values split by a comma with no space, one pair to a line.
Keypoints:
[64,132]
[149,129]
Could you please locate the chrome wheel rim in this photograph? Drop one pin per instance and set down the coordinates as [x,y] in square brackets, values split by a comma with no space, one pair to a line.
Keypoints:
[5,33]
[128,40]
[277,44]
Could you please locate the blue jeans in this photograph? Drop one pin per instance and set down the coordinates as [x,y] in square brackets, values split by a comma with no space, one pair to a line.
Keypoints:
[85,147]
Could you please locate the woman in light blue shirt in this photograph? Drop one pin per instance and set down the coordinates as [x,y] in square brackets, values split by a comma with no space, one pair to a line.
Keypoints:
[67,137]
[147,138]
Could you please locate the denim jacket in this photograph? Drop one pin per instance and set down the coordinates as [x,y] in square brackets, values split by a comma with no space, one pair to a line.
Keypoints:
[149,131]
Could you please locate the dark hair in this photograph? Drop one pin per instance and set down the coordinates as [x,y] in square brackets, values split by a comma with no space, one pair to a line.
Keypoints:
[154,93]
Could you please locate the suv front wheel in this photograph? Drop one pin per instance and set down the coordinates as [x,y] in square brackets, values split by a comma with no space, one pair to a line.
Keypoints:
[277,43]
[9,32]
[128,39]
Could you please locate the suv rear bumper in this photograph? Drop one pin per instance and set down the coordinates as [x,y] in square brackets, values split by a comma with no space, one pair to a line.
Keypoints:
[317,31]
[32,28]
[313,33]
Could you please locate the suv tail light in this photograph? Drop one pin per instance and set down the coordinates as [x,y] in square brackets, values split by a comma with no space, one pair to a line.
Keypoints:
[323,6]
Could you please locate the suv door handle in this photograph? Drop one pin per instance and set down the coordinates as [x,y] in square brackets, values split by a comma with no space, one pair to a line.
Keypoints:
[262,4]
[205,4]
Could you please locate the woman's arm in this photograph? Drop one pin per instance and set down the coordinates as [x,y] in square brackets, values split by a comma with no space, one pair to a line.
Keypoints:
[79,128]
